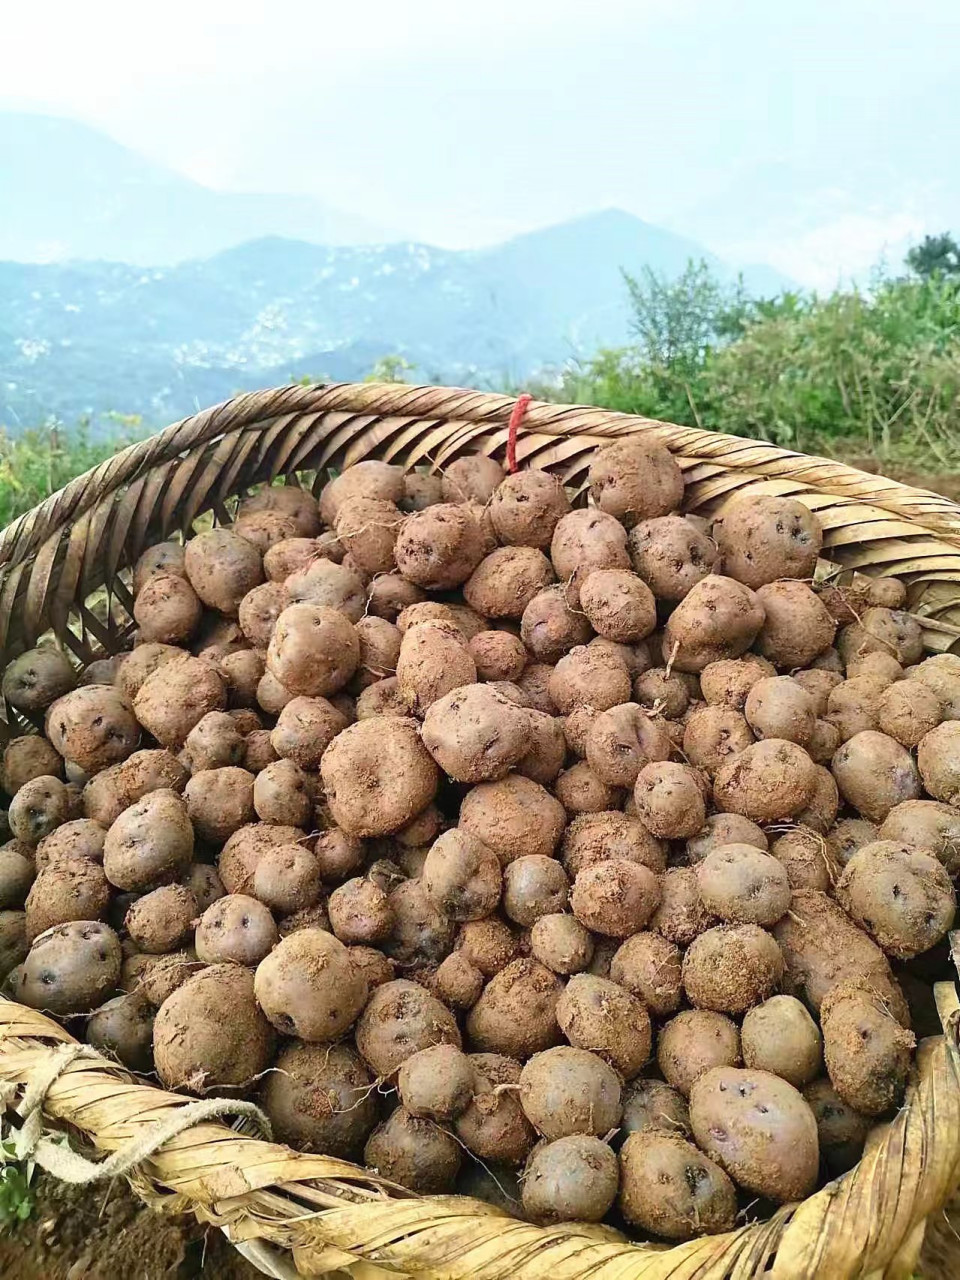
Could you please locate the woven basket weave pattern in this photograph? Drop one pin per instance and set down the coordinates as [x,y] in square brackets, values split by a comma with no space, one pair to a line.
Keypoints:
[54,564]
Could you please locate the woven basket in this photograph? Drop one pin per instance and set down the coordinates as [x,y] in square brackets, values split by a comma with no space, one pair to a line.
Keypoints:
[324,1214]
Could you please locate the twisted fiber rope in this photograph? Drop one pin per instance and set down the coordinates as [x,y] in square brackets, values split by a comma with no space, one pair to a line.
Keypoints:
[479,409]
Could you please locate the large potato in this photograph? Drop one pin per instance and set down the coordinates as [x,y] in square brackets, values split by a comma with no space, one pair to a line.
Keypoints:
[671,555]
[36,678]
[112,790]
[635,478]
[526,507]
[378,776]
[93,727]
[434,660]
[513,816]
[222,567]
[440,547]
[176,697]
[763,538]
[314,650]
[474,733]
[73,968]
[875,773]
[766,782]
[150,842]
[309,987]
[718,618]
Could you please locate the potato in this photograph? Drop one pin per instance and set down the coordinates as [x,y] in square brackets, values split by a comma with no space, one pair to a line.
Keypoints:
[712,735]
[846,836]
[824,742]
[763,538]
[546,748]
[635,479]
[219,802]
[217,637]
[619,605]
[461,876]
[434,660]
[164,974]
[308,987]
[766,782]
[922,824]
[16,876]
[819,685]
[415,1153]
[390,594]
[457,982]
[721,829]
[289,500]
[196,1048]
[176,697]
[421,934]
[621,741]
[165,557]
[437,1083]
[759,1129]
[669,800]
[36,678]
[474,733]
[900,895]
[360,912]
[671,555]
[493,1126]
[741,885]
[361,480]
[584,540]
[123,1029]
[907,711]
[320,1098]
[719,618]
[377,968]
[822,947]
[882,631]
[561,943]
[651,1106]
[516,1012]
[162,920]
[938,756]
[204,883]
[143,662]
[330,585]
[505,581]
[420,490]
[338,855]
[440,547]
[25,758]
[853,706]
[149,843]
[778,707]
[881,667]
[551,627]
[367,529]
[471,478]
[572,1179]
[287,878]
[236,930]
[941,674]
[728,681]
[92,727]
[842,1130]
[65,892]
[600,1015]
[488,944]
[304,730]
[648,966]
[525,508]
[265,528]
[589,677]
[694,1042]
[567,1090]
[779,1036]
[806,859]
[670,1189]
[797,625]
[73,968]
[596,837]
[214,743]
[498,655]
[283,792]
[579,790]
[533,886]
[222,567]
[401,1018]
[729,968]
[167,610]
[513,816]
[821,809]
[13,942]
[875,773]
[378,776]
[314,650]
[39,807]
[615,898]
[867,1053]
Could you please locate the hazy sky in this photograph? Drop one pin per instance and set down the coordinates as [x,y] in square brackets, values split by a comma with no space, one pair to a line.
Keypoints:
[811,134]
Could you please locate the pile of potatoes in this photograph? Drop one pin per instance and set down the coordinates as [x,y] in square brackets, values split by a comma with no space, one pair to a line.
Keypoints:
[595,861]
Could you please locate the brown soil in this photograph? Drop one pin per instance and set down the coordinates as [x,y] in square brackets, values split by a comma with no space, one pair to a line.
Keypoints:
[105,1233]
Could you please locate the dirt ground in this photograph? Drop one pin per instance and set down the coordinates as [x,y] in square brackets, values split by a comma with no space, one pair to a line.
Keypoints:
[105,1233]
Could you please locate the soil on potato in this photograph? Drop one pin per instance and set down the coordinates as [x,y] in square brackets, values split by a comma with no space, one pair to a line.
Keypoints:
[105,1233]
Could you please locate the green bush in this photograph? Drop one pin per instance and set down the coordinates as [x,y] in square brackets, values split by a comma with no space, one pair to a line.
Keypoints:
[38,463]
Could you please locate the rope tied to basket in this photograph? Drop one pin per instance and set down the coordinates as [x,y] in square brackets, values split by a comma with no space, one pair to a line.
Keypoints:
[51,1154]
[513,426]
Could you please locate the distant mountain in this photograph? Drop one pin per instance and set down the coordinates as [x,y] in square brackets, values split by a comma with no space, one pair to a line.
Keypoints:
[70,192]
[85,338]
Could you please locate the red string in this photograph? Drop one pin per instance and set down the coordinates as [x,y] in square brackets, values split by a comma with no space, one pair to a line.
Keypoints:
[519,409]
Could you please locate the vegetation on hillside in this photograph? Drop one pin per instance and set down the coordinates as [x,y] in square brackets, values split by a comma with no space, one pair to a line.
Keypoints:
[859,371]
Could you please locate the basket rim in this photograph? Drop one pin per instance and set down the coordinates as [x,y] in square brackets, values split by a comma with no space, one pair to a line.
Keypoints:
[24,536]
